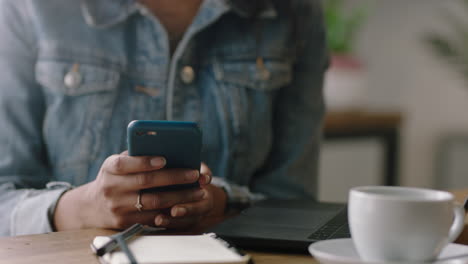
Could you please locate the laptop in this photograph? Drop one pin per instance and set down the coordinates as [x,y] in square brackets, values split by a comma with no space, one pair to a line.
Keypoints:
[285,225]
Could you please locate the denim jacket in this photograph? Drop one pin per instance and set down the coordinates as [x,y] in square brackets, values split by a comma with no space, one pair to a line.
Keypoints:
[74,73]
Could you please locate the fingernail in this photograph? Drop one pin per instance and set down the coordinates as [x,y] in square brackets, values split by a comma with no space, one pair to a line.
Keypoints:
[191,175]
[181,211]
[199,194]
[161,221]
[158,162]
[207,179]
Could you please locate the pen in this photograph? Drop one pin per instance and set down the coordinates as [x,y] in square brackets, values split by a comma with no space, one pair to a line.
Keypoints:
[114,243]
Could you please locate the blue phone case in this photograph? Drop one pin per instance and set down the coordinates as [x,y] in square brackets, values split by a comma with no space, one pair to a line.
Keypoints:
[179,142]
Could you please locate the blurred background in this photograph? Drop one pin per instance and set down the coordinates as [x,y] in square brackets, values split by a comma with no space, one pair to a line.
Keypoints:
[397,94]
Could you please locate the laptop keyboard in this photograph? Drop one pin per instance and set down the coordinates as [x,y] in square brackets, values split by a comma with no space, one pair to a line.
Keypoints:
[335,228]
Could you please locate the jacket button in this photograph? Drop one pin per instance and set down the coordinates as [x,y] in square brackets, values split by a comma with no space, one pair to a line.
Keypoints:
[73,79]
[187,74]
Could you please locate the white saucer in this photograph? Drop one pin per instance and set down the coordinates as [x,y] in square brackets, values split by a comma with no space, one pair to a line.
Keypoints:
[342,251]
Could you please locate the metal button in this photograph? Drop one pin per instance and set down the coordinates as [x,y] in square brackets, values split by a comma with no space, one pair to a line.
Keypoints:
[73,78]
[187,74]
[263,74]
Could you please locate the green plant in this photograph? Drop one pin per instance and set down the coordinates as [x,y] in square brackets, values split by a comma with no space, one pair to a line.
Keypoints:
[453,49]
[341,26]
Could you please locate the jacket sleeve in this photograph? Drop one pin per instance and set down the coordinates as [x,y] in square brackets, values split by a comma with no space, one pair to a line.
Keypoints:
[27,203]
[292,168]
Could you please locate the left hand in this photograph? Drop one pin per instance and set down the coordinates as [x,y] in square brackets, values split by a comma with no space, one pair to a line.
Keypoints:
[186,215]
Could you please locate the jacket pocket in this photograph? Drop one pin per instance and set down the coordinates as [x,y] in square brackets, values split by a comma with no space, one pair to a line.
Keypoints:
[272,75]
[80,99]
[75,79]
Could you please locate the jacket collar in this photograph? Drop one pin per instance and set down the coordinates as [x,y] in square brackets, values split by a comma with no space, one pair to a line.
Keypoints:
[106,13]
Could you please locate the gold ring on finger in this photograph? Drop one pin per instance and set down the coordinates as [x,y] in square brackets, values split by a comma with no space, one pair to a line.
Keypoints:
[138,205]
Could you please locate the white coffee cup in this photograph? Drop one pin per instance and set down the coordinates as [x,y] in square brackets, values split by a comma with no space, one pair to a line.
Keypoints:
[402,224]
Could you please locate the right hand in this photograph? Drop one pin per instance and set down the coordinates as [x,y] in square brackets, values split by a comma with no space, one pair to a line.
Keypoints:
[109,201]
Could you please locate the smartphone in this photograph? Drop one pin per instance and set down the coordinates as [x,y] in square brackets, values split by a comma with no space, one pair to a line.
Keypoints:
[179,143]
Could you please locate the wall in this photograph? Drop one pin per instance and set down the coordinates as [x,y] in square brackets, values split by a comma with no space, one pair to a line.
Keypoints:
[405,75]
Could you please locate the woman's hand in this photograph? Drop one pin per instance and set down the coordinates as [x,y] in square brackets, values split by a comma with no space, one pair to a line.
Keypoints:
[109,201]
[186,215]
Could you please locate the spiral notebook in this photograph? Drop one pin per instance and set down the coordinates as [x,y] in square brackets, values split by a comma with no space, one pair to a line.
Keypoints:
[206,248]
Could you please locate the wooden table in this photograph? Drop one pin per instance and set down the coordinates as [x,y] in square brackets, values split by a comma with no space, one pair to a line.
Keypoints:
[73,247]
[360,121]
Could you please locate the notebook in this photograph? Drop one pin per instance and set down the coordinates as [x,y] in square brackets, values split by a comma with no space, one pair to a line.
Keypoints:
[207,248]
[285,225]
